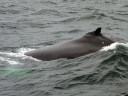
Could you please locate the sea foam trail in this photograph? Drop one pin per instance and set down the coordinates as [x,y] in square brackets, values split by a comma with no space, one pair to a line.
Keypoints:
[7,56]
[113,46]
[21,51]
[12,62]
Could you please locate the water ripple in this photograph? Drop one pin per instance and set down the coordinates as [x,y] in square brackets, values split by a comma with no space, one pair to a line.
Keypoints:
[112,69]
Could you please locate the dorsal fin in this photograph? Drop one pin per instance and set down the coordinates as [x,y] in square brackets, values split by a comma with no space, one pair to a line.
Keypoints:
[97,32]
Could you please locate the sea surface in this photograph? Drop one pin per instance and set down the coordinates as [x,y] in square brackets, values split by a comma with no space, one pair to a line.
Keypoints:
[30,24]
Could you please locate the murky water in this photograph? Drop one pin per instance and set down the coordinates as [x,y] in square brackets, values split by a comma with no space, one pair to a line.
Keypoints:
[29,24]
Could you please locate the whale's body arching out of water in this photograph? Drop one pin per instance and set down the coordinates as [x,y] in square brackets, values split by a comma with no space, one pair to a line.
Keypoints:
[89,43]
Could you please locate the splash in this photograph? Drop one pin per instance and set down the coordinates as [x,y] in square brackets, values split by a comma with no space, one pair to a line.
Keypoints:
[12,58]
[9,61]
[21,52]
[113,46]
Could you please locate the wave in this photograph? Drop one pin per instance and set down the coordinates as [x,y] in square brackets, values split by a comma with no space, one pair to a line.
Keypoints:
[112,67]
[114,46]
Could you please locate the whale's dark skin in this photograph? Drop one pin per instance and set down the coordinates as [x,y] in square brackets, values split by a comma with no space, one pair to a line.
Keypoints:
[89,43]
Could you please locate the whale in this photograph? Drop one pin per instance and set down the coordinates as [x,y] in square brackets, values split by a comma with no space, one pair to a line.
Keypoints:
[89,43]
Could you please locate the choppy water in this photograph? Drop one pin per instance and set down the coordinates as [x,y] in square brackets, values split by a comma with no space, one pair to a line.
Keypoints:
[29,24]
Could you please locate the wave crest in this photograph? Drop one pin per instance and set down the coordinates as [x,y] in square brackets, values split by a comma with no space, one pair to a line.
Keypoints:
[112,68]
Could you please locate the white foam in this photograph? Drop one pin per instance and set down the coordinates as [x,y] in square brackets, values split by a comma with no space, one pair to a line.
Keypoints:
[113,46]
[9,61]
[13,62]
[23,50]
[20,53]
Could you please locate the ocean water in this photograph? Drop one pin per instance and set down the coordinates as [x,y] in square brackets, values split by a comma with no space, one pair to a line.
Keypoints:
[30,24]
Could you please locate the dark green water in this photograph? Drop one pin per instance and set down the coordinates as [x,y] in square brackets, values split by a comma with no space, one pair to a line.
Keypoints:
[30,24]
